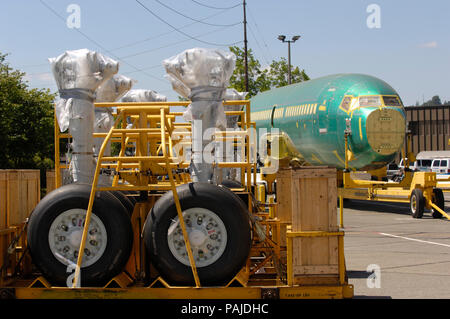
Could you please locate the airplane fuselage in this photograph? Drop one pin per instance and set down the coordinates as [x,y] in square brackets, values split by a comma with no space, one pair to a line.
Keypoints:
[315,114]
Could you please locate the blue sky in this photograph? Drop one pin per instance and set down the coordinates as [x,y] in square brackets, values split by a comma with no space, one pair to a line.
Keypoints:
[410,51]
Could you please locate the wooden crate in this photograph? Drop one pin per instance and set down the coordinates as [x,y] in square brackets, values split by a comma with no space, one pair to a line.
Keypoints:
[309,195]
[50,180]
[315,260]
[307,198]
[3,200]
[20,191]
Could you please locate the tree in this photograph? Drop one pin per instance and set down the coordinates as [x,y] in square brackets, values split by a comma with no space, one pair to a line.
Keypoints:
[279,73]
[257,79]
[26,120]
[435,100]
[260,80]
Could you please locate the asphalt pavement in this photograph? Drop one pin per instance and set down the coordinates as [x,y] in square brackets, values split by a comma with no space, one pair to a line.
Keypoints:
[389,254]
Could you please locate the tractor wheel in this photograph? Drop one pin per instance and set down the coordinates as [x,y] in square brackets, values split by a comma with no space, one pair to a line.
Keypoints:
[55,229]
[417,203]
[218,226]
[439,201]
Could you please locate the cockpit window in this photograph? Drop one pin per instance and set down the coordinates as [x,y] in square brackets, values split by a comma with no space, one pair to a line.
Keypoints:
[391,101]
[365,101]
[345,105]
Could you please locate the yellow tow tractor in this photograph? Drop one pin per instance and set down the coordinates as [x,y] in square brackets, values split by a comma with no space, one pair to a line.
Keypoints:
[419,189]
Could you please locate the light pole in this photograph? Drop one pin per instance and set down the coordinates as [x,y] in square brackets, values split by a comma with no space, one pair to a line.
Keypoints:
[282,38]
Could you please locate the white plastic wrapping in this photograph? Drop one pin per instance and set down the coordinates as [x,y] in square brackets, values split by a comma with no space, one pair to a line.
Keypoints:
[110,91]
[141,95]
[202,75]
[233,95]
[113,89]
[78,74]
[179,86]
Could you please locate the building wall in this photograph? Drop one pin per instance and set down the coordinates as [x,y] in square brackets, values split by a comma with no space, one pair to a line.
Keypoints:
[430,127]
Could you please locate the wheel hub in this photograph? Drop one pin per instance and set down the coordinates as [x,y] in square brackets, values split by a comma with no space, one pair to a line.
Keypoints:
[75,237]
[206,233]
[197,238]
[65,235]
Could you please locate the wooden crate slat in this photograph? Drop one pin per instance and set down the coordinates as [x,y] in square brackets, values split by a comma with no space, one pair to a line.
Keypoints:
[19,194]
[50,180]
[3,199]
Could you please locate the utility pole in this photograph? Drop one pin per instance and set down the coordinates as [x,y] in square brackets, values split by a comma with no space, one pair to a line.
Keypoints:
[289,62]
[245,48]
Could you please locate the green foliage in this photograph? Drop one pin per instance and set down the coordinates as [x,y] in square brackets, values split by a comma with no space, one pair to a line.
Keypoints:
[279,73]
[260,80]
[434,101]
[26,121]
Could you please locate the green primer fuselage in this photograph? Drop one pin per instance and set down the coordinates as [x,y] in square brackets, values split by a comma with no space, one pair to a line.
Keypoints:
[313,115]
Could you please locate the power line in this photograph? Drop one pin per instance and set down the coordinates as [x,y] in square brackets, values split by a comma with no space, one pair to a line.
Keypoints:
[259,46]
[169,45]
[211,7]
[199,21]
[183,33]
[165,33]
[143,69]
[260,33]
[99,45]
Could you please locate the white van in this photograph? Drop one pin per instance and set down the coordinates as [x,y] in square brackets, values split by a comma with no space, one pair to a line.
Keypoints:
[422,165]
[441,166]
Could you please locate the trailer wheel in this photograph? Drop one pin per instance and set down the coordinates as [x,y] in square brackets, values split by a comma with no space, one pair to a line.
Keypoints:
[439,201]
[417,203]
[55,229]
[218,226]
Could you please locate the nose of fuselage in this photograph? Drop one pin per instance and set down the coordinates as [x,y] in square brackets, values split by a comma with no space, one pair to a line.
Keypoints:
[385,130]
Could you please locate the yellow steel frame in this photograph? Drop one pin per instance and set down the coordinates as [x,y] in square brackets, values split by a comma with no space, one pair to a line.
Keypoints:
[152,135]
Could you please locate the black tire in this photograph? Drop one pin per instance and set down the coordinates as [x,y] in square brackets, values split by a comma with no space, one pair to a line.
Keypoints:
[107,209]
[232,213]
[130,196]
[417,203]
[126,202]
[439,201]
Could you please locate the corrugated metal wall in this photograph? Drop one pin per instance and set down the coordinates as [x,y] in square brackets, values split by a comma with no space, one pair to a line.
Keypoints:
[430,127]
